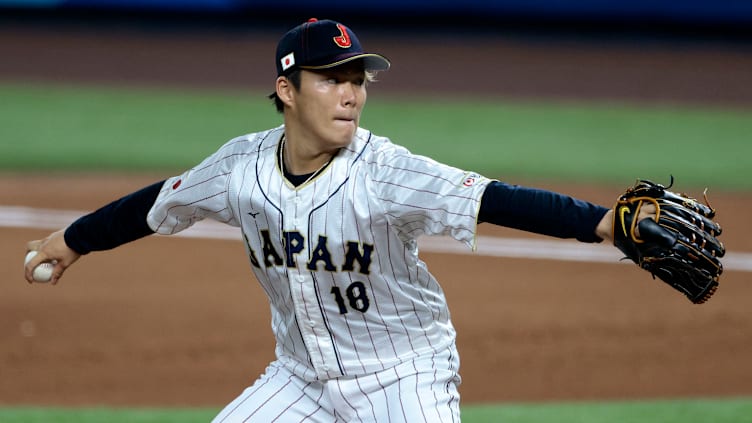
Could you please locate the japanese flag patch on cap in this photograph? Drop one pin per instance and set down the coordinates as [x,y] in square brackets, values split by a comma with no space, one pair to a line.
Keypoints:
[288,61]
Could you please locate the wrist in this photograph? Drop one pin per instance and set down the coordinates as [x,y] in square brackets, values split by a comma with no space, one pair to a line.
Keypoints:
[604,229]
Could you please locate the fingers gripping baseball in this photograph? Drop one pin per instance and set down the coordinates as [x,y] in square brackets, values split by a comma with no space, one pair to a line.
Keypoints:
[53,250]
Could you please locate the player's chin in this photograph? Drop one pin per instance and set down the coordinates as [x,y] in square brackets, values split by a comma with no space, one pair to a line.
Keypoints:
[345,129]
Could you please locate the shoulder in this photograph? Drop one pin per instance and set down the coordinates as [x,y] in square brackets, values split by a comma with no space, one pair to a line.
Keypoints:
[384,156]
[253,143]
[390,163]
[386,162]
[245,147]
[371,148]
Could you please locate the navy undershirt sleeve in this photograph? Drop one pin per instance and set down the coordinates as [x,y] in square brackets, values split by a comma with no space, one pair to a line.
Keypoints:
[115,224]
[540,211]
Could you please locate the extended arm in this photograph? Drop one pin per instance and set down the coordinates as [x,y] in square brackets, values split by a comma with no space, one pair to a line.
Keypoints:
[544,212]
[115,224]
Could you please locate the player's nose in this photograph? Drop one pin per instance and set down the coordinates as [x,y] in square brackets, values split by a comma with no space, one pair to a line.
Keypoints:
[349,93]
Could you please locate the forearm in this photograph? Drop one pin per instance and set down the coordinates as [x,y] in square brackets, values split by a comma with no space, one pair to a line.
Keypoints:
[604,230]
[543,212]
[117,223]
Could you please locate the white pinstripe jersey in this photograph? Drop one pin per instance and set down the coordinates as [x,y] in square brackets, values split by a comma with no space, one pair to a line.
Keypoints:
[337,256]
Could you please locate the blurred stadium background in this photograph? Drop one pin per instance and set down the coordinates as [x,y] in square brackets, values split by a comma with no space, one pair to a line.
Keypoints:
[706,13]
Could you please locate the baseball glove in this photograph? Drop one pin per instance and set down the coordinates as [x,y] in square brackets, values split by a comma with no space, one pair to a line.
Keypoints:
[679,245]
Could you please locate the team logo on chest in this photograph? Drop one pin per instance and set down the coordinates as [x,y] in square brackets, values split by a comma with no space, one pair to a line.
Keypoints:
[320,257]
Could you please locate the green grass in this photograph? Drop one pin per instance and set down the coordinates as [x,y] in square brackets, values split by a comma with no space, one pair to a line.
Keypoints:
[675,411]
[667,411]
[73,128]
[101,415]
[579,141]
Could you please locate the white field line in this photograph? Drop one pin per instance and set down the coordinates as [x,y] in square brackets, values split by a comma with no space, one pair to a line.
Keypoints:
[564,250]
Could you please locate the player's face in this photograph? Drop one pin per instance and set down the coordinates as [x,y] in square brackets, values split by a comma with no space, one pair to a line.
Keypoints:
[329,103]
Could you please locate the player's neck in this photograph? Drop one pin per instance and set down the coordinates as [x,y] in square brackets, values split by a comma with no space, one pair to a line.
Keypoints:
[296,161]
[299,160]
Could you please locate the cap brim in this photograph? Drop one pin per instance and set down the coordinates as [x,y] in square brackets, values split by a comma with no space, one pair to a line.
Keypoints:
[371,62]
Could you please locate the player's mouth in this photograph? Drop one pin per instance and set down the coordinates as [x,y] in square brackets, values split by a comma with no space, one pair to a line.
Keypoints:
[347,120]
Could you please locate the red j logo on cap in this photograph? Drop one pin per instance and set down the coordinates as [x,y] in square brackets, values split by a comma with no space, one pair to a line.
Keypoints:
[342,40]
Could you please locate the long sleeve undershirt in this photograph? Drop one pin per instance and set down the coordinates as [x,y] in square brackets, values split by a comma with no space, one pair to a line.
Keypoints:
[115,224]
[540,211]
[513,206]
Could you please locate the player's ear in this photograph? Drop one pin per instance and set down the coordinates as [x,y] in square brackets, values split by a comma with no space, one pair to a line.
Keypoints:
[285,90]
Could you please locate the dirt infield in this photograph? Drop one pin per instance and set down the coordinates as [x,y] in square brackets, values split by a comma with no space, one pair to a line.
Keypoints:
[175,321]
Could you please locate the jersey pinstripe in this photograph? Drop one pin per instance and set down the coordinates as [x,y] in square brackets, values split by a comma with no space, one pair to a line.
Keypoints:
[337,256]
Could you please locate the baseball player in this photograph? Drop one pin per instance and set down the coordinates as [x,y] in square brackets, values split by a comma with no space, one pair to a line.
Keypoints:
[330,214]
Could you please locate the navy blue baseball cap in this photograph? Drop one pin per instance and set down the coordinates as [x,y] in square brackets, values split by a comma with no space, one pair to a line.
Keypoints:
[323,44]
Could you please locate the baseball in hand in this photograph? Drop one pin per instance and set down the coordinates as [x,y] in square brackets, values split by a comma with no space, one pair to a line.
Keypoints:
[43,272]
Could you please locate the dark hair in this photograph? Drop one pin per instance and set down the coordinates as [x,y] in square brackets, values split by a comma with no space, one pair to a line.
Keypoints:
[294,78]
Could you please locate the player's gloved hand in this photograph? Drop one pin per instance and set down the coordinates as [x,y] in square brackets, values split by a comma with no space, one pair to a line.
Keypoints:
[50,249]
[679,244]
